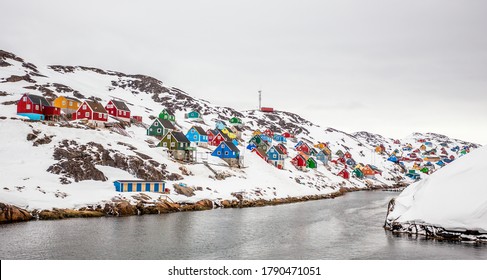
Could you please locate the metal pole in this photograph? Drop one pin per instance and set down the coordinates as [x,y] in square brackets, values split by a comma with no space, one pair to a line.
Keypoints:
[260,99]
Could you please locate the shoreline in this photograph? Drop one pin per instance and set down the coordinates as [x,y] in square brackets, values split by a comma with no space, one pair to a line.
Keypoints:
[12,214]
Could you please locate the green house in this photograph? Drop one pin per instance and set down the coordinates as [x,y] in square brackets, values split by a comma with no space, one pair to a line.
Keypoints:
[358,173]
[311,163]
[235,121]
[160,127]
[175,141]
[193,115]
[167,115]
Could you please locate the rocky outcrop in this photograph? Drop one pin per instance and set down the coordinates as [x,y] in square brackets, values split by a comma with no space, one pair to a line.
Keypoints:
[78,162]
[12,214]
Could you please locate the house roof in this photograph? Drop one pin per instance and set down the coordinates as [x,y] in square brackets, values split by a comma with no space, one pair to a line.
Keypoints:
[120,105]
[180,137]
[231,146]
[73,99]
[200,130]
[36,99]
[168,111]
[96,106]
[214,131]
[166,124]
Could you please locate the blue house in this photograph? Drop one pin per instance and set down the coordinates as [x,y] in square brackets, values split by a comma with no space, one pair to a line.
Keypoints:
[228,152]
[279,138]
[193,115]
[299,144]
[219,124]
[139,186]
[251,146]
[265,138]
[197,135]
[276,156]
[393,159]
[321,156]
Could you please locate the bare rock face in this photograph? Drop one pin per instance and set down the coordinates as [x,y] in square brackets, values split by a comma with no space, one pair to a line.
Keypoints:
[12,214]
[78,162]
[183,190]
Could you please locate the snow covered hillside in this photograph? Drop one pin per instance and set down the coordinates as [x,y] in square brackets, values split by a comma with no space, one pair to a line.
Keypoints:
[68,164]
[454,198]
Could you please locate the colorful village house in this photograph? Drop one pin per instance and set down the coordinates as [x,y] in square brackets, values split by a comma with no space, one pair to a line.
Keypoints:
[344,174]
[368,172]
[397,142]
[339,153]
[193,115]
[219,124]
[288,135]
[235,121]
[160,127]
[140,186]
[32,106]
[347,155]
[283,148]
[218,138]
[320,145]
[68,105]
[300,161]
[211,133]
[228,152]
[269,133]
[304,147]
[327,152]
[380,149]
[358,173]
[376,170]
[197,135]
[279,138]
[118,109]
[228,132]
[51,113]
[321,156]
[276,157]
[178,145]
[266,138]
[165,114]
[311,163]
[93,112]
[256,132]
[350,162]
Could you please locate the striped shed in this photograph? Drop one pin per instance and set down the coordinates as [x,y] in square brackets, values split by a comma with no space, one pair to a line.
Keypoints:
[139,186]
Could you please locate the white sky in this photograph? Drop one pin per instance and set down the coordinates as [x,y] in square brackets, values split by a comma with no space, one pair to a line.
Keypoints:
[384,66]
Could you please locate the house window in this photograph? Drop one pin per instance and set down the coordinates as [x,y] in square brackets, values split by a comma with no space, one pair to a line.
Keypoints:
[219,153]
[84,107]
[79,113]
[173,144]
[223,146]
[181,145]
[27,106]
[63,102]
[195,137]
[192,130]
[37,107]
[226,153]
[70,103]
[24,99]
[274,156]
[100,115]
[169,136]
[159,130]
[164,144]
[87,114]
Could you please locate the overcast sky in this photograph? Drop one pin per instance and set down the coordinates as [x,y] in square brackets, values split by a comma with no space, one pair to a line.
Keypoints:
[384,66]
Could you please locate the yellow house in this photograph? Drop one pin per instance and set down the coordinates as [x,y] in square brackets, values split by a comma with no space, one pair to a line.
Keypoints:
[68,105]
[320,146]
[256,132]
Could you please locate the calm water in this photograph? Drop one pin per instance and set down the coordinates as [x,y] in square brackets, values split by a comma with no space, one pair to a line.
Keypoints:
[349,227]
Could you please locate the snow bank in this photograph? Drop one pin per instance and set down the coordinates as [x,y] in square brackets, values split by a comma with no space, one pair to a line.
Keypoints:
[454,197]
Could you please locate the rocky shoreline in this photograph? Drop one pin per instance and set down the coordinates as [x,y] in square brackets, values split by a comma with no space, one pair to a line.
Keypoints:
[120,208]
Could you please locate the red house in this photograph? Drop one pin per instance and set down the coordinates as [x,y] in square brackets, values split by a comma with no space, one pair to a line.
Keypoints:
[348,155]
[51,112]
[283,148]
[288,135]
[269,133]
[32,106]
[220,137]
[118,109]
[305,148]
[266,109]
[344,174]
[299,161]
[92,111]
[211,134]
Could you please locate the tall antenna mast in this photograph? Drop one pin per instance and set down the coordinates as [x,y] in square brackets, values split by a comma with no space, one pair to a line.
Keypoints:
[260,99]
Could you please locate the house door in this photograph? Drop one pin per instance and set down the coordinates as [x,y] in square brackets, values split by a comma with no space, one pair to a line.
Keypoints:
[139,187]
[129,187]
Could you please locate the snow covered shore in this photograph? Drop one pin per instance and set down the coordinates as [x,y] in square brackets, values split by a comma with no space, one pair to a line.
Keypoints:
[451,203]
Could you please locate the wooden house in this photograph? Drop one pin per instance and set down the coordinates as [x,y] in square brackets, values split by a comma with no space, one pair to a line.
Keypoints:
[32,106]
[139,186]
[235,121]
[197,135]
[283,148]
[228,152]
[218,138]
[219,124]
[160,127]
[68,105]
[276,156]
[320,145]
[367,171]
[118,109]
[93,112]
[288,135]
[269,133]
[344,174]
[256,132]
[358,173]
[51,113]
[348,155]
[211,133]
[321,156]
[178,145]
[166,114]
[279,138]
[300,161]
[193,115]
[311,163]
[303,147]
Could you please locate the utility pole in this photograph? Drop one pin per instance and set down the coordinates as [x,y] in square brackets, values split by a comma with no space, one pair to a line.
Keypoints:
[260,99]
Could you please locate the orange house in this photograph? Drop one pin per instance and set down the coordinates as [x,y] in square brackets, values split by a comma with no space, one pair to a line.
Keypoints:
[68,105]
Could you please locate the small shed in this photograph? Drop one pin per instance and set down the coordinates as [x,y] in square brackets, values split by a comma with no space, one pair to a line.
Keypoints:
[139,186]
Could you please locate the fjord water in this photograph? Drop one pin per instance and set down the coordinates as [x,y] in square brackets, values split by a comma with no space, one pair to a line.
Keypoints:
[348,227]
